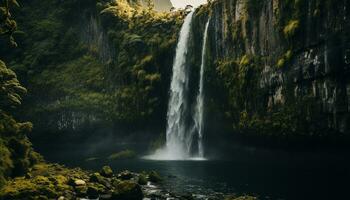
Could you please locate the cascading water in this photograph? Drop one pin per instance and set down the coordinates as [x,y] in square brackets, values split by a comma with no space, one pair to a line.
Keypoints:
[177,142]
[199,109]
[179,136]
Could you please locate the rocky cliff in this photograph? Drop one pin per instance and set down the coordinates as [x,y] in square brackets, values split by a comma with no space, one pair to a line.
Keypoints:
[93,64]
[273,68]
[277,67]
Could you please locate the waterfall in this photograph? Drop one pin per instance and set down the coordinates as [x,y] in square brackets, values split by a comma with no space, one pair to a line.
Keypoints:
[179,133]
[178,143]
[199,109]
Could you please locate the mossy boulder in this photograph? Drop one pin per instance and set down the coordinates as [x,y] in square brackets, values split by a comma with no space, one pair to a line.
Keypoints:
[106,171]
[128,190]
[142,179]
[97,178]
[21,188]
[81,191]
[154,177]
[49,181]
[125,175]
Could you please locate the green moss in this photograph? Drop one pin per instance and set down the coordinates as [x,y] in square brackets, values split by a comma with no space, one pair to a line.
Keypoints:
[288,55]
[48,181]
[128,190]
[106,171]
[244,60]
[70,74]
[280,63]
[291,28]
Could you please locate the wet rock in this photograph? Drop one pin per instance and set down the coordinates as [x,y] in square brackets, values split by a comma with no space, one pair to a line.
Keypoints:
[125,175]
[127,190]
[106,171]
[93,192]
[154,177]
[97,178]
[81,191]
[142,179]
[105,197]
[79,182]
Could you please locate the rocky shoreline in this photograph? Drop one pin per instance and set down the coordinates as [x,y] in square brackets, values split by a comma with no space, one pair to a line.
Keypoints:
[53,181]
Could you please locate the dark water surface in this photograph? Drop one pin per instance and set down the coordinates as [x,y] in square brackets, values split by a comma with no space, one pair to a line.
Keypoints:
[267,174]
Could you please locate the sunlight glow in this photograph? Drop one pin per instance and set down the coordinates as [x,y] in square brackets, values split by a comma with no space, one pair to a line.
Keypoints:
[183,3]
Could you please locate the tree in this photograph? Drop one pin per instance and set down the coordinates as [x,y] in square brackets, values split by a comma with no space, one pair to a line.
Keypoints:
[150,5]
[7,25]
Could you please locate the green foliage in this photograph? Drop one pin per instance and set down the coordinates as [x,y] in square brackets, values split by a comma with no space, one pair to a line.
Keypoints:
[11,90]
[291,119]
[15,149]
[7,24]
[65,72]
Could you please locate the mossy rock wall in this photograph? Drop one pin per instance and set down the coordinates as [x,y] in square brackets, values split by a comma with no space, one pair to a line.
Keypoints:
[93,64]
[278,68]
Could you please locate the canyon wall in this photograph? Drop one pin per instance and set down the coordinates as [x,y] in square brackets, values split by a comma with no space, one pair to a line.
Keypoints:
[278,68]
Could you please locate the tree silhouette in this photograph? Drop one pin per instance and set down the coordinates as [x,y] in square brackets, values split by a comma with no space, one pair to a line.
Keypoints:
[8,25]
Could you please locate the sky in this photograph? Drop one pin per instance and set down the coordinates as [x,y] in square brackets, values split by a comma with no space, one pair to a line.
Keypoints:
[183,3]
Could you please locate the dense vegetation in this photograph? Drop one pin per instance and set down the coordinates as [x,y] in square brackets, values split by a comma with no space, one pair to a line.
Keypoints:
[93,63]
[16,152]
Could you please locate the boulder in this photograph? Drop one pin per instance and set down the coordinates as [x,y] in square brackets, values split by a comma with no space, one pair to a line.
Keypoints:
[154,177]
[81,191]
[93,192]
[79,182]
[106,171]
[97,178]
[142,180]
[127,190]
[125,175]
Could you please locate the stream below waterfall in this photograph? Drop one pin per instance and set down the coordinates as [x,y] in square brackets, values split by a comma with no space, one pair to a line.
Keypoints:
[268,174]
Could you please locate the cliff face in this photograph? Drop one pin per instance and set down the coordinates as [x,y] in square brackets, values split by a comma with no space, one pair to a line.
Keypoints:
[93,64]
[273,67]
[278,67]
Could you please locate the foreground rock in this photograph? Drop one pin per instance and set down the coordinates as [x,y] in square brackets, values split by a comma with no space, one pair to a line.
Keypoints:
[53,181]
